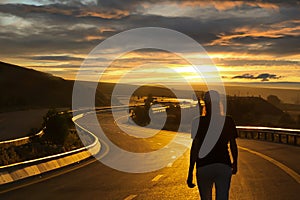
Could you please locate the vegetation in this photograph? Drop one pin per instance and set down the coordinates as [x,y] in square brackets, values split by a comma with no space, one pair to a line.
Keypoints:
[59,137]
[273,99]
[141,114]
[57,127]
[173,117]
[246,111]
[255,111]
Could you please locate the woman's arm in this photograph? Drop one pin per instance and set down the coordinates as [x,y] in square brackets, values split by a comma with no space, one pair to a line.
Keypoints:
[234,153]
[233,146]
[193,158]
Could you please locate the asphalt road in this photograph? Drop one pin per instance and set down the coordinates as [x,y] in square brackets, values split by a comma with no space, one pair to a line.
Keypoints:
[264,172]
[17,124]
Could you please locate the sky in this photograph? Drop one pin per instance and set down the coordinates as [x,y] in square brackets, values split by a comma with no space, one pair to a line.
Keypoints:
[249,41]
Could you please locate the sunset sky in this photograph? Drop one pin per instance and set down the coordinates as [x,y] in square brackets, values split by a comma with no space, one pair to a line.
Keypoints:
[249,41]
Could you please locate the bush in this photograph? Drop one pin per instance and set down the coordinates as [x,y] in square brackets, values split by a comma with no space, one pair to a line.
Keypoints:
[57,127]
[141,116]
[57,139]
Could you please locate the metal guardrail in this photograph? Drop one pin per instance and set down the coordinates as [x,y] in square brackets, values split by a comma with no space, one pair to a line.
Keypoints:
[56,156]
[277,135]
[20,141]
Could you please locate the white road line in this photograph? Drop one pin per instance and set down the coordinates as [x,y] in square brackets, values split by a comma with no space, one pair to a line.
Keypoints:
[130,197]
[285,168]
[170,165]
[155,179]
[105,152]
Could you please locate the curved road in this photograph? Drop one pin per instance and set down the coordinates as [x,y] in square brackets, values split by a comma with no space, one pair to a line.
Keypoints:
[257,178]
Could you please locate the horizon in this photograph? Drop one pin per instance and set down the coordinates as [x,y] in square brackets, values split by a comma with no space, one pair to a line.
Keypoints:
[261,84]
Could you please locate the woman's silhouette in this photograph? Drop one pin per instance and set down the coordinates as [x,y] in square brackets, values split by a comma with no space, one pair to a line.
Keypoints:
[216,167]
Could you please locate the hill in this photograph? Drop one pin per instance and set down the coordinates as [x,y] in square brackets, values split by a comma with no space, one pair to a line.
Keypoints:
[254,111]
[23,88]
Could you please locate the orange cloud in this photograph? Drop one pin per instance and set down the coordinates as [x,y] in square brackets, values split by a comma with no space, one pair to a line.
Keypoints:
[94,37]
[112,14]
[227,5]
[286,28]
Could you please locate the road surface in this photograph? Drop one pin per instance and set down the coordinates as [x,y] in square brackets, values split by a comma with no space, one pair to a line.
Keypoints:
[18,124]
[257,178]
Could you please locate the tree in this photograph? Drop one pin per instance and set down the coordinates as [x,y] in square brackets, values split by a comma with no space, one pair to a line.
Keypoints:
[148,101]
[49,114]
[286,120]
[141,116]
[273,99]
[56,130]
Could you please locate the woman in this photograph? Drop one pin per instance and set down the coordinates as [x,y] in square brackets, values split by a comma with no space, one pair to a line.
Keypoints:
[216,167]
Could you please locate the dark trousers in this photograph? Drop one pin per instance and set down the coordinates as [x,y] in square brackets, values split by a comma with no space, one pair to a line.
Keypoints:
[218,174]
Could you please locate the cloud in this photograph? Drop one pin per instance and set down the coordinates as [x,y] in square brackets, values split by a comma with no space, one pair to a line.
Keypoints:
[262,77]
[256,33]
[56,58]
[218,5]
[229,28]
[25,10]
[249,62]
[245,76]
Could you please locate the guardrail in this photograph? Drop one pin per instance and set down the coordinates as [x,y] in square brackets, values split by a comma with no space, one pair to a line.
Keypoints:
[25,169]
[278,135]
[20,141]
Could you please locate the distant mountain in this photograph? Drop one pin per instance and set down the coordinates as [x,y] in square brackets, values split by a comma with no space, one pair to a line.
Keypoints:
[253,111]
[23,88]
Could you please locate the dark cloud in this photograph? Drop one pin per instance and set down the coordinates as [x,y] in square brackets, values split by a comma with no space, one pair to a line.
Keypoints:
[262,77]
[52,10]
[124,5]
[262,62]
[57,58]
[245,76]
[283,46]
[41,44]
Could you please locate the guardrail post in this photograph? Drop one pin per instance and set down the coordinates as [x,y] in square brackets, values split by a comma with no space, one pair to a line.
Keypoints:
[278,135]
[265,136]
[251,135]
[279,138]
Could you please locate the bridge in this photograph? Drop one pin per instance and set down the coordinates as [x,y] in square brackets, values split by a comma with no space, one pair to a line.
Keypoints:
[267,169]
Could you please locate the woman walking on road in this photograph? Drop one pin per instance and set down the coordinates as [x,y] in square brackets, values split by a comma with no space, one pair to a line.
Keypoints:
[216,167]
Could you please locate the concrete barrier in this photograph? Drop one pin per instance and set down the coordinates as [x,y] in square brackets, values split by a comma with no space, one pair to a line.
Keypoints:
[11,174]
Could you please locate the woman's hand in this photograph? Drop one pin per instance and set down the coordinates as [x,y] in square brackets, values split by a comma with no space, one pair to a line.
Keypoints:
[234,168]
[189,181]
